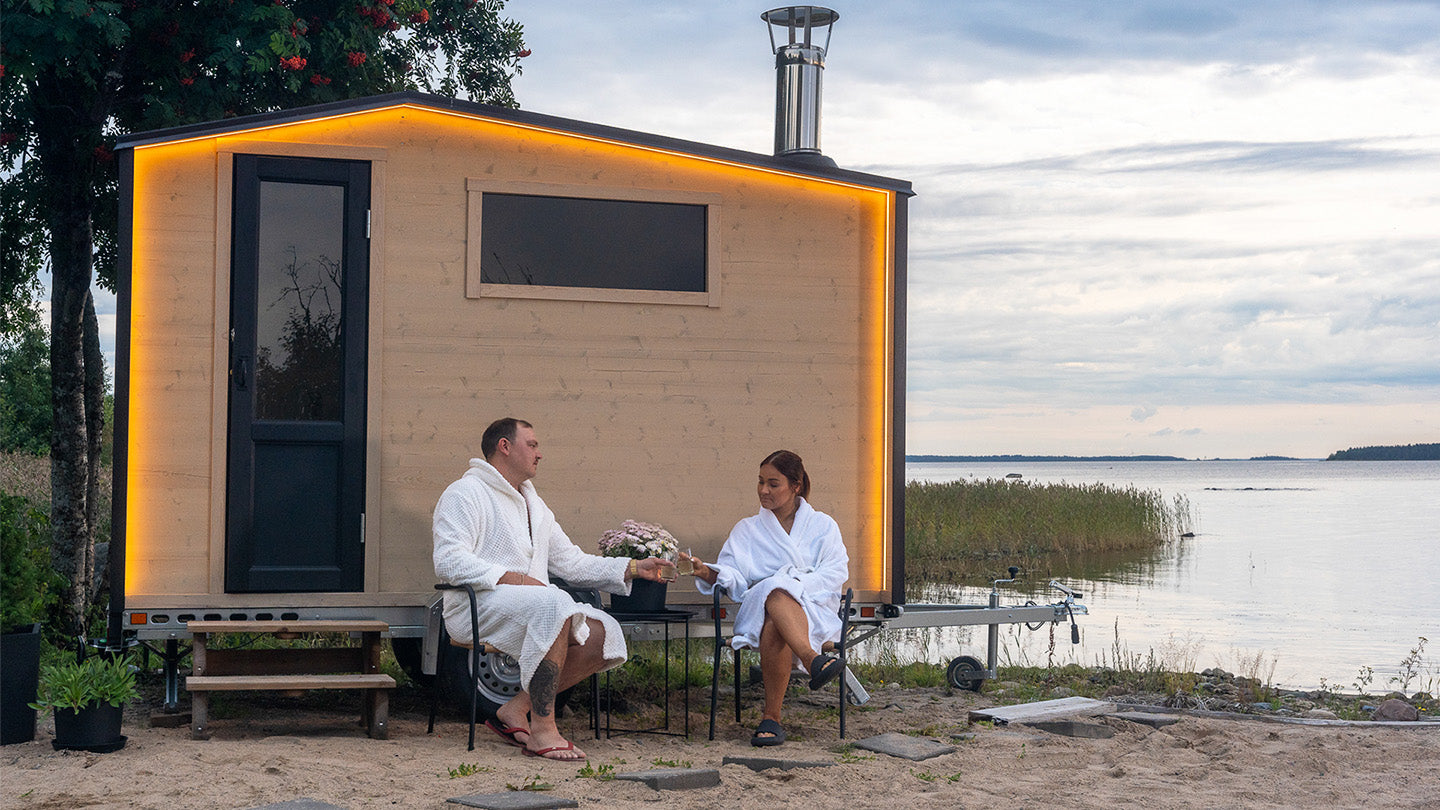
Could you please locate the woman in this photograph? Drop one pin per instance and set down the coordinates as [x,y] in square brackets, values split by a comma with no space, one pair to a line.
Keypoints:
[785,567]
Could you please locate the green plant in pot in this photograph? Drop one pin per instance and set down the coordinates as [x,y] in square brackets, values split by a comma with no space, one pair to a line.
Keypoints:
[27,594]
[88,698]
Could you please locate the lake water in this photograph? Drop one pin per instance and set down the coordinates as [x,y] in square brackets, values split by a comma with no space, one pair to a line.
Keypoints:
[1319,567]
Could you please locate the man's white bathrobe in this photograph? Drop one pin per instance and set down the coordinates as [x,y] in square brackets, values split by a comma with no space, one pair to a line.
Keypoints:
[809,563]
[483,527]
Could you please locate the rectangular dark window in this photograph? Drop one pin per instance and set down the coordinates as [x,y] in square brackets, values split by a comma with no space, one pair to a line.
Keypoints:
[535,240]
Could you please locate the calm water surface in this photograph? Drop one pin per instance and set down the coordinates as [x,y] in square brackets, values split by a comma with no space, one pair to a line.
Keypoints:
[1319,567]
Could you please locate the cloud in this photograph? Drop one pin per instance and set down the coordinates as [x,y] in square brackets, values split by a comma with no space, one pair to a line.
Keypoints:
[1142,412]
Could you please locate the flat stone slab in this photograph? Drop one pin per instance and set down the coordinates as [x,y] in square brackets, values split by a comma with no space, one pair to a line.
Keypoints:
[904,746]
[300,804]
[674,778]
[1150,719]
[513,800]
[766,763]
[1074,728]
[1043,710]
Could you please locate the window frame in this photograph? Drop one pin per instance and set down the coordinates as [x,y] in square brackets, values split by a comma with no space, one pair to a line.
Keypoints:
[475,287]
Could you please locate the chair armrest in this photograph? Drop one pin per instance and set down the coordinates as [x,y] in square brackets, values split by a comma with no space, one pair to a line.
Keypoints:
[474,616]
[585,596]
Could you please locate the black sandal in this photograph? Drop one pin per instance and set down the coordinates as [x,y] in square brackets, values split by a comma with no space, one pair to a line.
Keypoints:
[768,726]
[824,668]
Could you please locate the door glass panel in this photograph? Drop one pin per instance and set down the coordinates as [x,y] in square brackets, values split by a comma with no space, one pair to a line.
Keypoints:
[298,357]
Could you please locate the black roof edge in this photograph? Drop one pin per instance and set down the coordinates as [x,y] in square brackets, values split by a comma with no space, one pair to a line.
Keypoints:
[644,139]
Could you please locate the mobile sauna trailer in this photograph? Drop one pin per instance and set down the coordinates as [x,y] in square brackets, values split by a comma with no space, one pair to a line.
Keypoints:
[322,308]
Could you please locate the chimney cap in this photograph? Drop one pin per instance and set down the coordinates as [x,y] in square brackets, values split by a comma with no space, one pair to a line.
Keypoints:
[801,16]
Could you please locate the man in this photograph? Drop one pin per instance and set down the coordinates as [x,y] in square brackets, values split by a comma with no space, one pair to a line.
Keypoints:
[492,530]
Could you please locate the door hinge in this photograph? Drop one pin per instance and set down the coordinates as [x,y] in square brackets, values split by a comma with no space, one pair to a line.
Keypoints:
[367,223]
[362,528]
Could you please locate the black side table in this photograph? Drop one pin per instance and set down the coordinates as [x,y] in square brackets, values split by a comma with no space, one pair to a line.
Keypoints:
[667,617]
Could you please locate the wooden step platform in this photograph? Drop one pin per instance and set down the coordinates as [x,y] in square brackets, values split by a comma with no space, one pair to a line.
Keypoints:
[290,669]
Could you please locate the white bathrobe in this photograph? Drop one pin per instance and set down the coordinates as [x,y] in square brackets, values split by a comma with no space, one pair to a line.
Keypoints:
[809,563]
[483,528]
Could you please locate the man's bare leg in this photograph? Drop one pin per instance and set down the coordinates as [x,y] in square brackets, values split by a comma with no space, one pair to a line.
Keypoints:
[580,662]
[565,665]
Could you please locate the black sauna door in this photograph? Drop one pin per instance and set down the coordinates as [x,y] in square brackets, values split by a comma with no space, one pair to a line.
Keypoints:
[298,308]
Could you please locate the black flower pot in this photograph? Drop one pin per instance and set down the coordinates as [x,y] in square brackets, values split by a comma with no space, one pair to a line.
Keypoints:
[94,727]
[19,678]
[646,596]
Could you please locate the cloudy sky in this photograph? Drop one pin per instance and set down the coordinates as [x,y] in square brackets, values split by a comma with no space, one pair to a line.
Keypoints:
[1188,228]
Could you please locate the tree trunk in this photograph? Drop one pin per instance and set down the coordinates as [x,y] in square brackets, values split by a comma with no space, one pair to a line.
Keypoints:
[95,438]
[68,130]
[72,534]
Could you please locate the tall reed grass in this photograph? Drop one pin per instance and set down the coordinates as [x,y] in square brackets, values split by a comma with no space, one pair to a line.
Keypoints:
[959,528]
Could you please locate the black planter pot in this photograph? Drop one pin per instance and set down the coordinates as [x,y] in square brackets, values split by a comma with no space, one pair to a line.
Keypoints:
[646,596]
[19,678]
[94,727]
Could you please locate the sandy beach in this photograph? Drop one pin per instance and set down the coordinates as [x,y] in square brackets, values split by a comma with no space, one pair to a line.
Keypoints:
[275,750]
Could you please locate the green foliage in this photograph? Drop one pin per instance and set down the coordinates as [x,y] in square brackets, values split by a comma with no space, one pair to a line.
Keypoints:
[1407,452]
[24,383]
[956,529]
[97,679]
[468,769]
[534,783]
[602,773]
[28,585]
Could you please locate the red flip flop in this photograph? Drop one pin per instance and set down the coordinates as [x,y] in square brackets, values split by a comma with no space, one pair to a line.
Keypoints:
[544,753]
[508,732]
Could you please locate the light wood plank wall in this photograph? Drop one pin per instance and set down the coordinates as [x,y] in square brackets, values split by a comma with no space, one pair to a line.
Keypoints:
[646,411]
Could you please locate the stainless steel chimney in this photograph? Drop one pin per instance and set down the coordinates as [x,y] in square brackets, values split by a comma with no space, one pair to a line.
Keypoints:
[799,67]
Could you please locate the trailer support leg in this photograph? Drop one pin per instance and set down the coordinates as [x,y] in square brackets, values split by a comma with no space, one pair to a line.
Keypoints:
[992,652]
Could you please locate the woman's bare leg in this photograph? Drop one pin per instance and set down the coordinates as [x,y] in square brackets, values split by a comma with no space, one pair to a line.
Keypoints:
[784,637]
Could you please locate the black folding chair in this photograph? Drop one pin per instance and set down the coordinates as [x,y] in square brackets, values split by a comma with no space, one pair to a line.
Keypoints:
[717,612]
[478,648]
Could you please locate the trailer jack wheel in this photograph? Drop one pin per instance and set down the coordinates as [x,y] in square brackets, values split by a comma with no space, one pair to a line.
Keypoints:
[966,672]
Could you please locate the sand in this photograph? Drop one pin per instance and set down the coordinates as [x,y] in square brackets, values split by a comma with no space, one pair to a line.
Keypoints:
[273,750]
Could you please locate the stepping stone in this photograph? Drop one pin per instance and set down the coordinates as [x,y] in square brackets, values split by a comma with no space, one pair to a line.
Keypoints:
[766,763]
[1150,719]
[904,746]
[674,778]
[513,800]
[300,804]
[1074,728]
[1043,710]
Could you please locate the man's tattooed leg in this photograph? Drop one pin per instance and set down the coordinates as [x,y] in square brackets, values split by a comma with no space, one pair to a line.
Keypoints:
[542,687]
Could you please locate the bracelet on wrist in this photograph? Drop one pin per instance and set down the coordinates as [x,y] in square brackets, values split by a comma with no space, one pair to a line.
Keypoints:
[634,569]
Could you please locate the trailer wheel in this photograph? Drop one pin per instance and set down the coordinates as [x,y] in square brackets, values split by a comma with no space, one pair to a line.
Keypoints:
[407,654]
[966,672]
[499,681]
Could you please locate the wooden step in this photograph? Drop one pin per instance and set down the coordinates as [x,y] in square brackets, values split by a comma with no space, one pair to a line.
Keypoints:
[233,683]
[297,626]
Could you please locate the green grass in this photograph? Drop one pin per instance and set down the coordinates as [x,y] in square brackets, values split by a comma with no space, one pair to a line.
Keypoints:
[959,530]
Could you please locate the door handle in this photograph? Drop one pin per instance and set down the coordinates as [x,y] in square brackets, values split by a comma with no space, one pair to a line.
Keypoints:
[241,373]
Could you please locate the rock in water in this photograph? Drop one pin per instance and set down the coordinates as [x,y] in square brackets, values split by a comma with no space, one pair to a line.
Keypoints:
[1396,709]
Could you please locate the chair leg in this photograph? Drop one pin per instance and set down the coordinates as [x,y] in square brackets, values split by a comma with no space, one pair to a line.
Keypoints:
[714,684]
[595,703]
[737,686]
[435,682]
[474,691]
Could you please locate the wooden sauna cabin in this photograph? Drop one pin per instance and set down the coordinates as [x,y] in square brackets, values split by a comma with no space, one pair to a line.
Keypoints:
[322,308]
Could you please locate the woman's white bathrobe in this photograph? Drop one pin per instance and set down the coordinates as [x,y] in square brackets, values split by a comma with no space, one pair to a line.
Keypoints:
[809,563]
[480,532]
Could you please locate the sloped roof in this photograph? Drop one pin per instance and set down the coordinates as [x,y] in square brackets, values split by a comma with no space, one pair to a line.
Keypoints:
[523,117]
